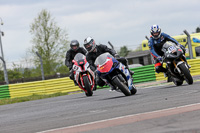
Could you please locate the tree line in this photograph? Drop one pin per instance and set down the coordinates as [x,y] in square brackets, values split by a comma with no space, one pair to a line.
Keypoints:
[51,42]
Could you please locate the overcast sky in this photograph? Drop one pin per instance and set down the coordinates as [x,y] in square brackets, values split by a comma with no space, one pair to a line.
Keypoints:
[122,22]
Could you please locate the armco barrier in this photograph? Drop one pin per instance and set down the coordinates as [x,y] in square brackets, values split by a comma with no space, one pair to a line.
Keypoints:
[42,87]
[144,74]
[194,70]
[4,92]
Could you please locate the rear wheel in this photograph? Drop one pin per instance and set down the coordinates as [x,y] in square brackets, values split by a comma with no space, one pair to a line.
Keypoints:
[87,86]
[121,86]
[186,73]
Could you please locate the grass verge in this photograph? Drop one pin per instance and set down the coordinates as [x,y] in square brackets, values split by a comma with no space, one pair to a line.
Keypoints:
[36,97]
[29,98]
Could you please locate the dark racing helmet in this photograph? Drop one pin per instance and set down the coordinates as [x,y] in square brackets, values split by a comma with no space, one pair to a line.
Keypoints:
[74,45]
[89,44]
[155,31]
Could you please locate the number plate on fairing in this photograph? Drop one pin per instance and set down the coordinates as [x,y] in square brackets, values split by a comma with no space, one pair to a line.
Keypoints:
[172,49]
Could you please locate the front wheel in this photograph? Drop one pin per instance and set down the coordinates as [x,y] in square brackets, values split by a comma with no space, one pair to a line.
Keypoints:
[177,83]
[121,86]
[87,86]
[186,73]
[134,90]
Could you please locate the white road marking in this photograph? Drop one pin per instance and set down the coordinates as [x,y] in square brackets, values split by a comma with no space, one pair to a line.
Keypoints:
[139,114]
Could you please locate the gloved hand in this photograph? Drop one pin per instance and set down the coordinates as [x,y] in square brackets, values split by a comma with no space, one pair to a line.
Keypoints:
[159,58]
[117,56]
[182,47]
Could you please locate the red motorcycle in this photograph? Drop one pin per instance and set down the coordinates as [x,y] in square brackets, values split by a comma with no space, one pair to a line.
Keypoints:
[83,75]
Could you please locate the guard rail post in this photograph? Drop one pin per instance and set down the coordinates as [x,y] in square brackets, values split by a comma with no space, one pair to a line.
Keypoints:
[41,63]
[189,44]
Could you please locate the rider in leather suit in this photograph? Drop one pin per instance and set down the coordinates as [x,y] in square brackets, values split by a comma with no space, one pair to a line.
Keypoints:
[156,42]
[95,50]
[70,56]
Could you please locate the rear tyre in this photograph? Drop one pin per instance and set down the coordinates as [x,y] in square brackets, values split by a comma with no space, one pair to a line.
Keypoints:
[87,86]
[186,73]
[121,86]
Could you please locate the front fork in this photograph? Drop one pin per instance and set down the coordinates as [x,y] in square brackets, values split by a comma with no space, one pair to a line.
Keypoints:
[180,62]
[89,77]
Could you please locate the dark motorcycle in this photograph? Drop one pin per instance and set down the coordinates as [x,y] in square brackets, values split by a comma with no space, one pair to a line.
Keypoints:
[115,73]
[178,69]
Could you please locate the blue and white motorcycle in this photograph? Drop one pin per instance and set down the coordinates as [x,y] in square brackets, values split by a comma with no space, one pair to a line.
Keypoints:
[115,73]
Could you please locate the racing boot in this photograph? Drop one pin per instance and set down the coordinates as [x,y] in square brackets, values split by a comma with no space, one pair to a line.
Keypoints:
[169,79]
[165,74]
[168,76]
[112,88]
[131,72]
[95,87]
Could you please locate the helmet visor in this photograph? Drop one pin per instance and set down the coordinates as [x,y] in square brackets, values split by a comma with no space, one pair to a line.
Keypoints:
[156,34]
[88,45]
[74,47]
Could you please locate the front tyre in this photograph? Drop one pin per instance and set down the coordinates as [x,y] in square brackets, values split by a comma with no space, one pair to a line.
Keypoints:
[177,83]
[121,86]
[186,73]
[87,86]
[134,90]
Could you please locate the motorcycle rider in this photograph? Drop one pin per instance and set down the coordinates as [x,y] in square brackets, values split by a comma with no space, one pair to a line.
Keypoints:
[74,44]
[94,51]
[156,42]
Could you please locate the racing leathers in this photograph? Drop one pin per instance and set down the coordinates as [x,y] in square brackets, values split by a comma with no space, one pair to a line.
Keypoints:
[100,49]
[155,46]
[70,56]
[91,56]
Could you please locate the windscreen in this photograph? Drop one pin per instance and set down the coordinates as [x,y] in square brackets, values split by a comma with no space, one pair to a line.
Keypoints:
[168,46]
[79,56]
[101,59]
